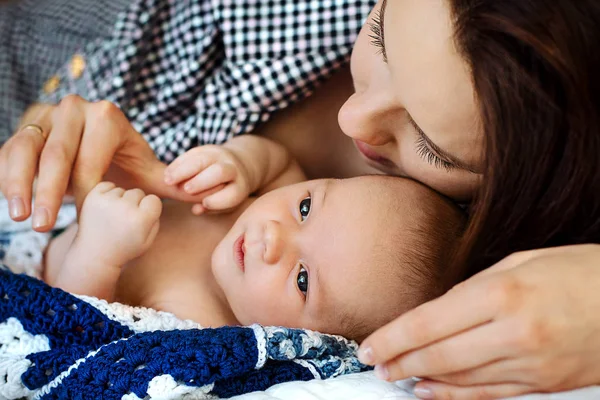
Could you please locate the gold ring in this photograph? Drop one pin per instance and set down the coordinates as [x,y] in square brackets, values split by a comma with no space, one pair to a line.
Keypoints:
[38,129]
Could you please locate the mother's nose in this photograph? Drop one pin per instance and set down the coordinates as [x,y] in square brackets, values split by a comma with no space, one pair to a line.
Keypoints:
[274,242]
[368,119]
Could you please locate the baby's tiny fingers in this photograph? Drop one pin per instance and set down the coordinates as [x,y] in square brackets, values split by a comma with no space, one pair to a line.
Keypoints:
[134,196]
[186,166]
[152,205]
[198,209]
[225,199]
[212,176]
[104,187]
[116,192]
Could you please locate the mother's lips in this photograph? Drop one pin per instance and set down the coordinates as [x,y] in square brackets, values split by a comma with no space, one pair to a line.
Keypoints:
[372,155]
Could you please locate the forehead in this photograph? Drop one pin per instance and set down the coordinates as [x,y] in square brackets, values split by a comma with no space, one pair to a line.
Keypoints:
[350,241]
[429,75]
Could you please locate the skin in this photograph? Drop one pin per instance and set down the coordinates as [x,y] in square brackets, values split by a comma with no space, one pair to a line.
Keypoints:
[376,115]
[424,77]
[71,159]
[526,329]
[280,244]
[529,328]
[428,83]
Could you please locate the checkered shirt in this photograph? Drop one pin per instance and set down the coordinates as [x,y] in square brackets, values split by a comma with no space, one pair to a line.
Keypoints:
[36,38]
[190,72]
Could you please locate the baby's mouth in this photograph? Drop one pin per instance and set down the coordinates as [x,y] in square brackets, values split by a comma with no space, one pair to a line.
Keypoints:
[239,252]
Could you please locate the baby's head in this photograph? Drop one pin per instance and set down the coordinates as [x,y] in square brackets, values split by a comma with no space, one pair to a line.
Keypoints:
[338,256]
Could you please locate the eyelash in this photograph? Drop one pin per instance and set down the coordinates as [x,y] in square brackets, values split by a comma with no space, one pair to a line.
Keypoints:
[377,35]
[423,149]
[425,153]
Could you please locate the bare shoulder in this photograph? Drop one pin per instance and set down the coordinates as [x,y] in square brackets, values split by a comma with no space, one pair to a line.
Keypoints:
[182,248]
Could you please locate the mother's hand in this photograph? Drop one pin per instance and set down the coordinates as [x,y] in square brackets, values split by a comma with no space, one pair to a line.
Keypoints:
[83,139]
[529,324]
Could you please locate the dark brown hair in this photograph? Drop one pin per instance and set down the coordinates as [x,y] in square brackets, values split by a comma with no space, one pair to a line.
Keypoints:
[535,67]
[412,262]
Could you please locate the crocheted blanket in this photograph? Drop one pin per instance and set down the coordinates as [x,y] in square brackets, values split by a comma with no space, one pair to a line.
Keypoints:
[55,345]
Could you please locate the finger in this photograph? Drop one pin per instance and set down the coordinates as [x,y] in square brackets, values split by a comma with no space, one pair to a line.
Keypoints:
[106,131]
[224,199]
[152,205]
[428,323]
[507,263]
[212,176]
[56,162]
[186,166]
[116,192]
[149,176]
[153,232]
[442,391]
[498,372]
[134,196]
[4,174]
[21,162]
[104,187]
[198,209]
[466,350]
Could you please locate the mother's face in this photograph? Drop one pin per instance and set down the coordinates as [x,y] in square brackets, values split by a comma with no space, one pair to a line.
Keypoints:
[413,112]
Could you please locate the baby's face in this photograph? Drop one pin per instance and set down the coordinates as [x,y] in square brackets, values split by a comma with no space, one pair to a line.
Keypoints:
[301,255]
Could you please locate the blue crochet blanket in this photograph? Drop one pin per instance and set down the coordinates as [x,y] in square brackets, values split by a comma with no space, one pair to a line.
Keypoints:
[55,345]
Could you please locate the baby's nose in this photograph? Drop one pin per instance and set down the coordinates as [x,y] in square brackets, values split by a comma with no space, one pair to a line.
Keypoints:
[274,242]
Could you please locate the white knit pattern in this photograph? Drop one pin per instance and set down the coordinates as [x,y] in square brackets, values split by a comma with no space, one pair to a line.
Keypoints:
[15,345]
[261,345]
[140,319]
[164,387]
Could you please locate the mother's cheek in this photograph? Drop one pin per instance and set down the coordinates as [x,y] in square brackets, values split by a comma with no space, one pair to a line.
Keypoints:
[457,184]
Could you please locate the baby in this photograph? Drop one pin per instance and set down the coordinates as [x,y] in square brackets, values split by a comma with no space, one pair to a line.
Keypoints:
[336,256]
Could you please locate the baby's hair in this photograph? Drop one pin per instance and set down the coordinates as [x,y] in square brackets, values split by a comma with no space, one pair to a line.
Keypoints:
[413,263]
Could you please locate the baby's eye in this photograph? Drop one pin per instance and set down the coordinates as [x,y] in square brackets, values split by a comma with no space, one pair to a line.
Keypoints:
[305,208]
[302,280]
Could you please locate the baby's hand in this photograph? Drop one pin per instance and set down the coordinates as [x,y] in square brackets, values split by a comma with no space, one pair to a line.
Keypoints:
[115,225]
[212,169]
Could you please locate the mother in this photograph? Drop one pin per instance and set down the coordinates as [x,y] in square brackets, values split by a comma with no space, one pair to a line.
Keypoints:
[494,102]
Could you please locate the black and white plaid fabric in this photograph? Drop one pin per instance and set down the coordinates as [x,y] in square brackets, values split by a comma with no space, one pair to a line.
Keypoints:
[189,72]
[36,38]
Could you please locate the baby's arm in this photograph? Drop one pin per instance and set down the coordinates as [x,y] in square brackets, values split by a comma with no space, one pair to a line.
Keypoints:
[115,226]
[229,173]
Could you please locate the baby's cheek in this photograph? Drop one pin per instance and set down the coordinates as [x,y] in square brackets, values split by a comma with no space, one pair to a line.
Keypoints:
[258,308]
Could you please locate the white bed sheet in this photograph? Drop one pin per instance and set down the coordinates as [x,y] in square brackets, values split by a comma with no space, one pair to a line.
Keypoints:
[365,386]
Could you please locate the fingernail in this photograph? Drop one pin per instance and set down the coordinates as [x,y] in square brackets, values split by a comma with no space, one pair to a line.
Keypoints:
[423,393]
[17,207]
[382,372]
[168,179]
[365,355]
[41,218]
[188,187]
